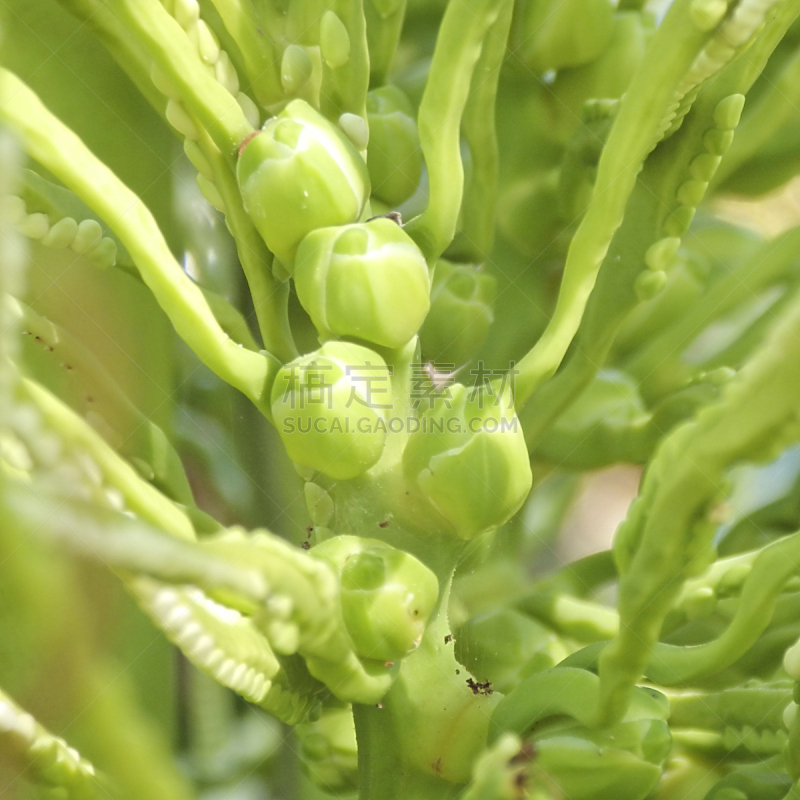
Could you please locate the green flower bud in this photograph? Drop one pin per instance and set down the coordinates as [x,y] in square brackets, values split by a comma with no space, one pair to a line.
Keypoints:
[652,316]
[469,460]
[394,155]
[326,407]
[334,40]
[387,595]
[369,281]
[300,173]
[462,300]
[356,129]
[328,750]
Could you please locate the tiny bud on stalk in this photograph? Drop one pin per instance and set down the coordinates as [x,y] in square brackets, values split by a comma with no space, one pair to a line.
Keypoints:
[387,595]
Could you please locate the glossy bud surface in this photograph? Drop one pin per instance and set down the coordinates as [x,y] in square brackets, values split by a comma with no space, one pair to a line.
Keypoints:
[387,595]
[297,174]
[469,458]
[325,406]
[369,281]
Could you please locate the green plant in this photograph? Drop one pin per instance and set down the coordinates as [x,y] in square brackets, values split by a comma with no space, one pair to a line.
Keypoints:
[482,254]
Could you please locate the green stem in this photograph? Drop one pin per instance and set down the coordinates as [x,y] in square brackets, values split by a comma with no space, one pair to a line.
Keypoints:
[464,28]
[667,531]
[344,89]
[57,148]
[671,665]
[383,36]
[139,33]
[639,123]
[427,731]
[170,48]
[612,298]
[570,616]
[259,52]
[757,706]
[556,692]
[139,495]
[270,296]
[773,110]
[478,126]
[402,363]
[46,759]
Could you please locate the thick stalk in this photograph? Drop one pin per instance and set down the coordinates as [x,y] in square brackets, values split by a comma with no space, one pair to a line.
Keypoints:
[667,532]
[421,740]
[270,296]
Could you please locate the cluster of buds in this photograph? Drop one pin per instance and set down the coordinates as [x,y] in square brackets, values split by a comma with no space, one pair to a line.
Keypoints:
[299,173]
[367,288]
[306,187]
